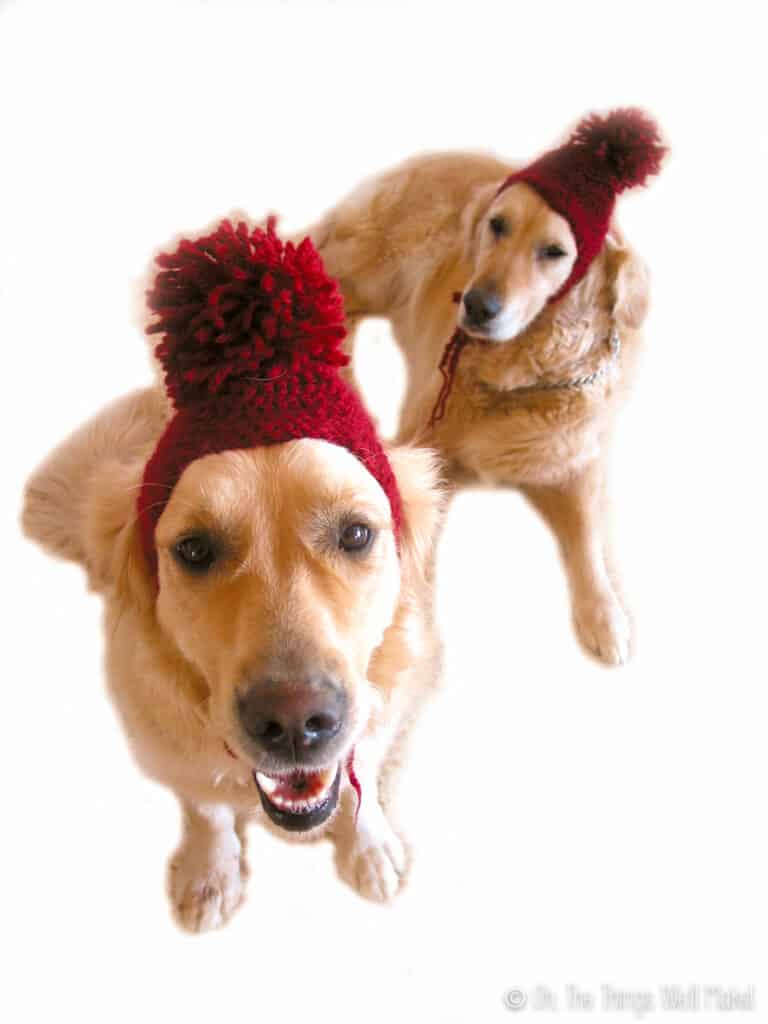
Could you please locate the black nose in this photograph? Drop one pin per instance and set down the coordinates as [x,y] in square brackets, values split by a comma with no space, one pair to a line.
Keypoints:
[295,722]
[481,306]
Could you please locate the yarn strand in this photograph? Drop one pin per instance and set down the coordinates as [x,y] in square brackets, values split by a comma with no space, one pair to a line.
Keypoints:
[448,364]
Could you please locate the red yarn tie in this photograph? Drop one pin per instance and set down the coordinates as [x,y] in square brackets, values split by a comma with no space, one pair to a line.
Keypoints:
[354,781]
[449,362]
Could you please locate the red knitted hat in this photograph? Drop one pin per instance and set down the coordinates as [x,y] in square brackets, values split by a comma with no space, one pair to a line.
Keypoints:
[581,179]
[251,331]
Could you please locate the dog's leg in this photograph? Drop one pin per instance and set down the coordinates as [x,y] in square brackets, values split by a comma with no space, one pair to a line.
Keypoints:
[206,878]
[574,511]
[370,855]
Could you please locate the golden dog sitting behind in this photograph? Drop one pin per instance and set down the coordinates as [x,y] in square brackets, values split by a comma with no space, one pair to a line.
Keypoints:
[287,598]
[533,398]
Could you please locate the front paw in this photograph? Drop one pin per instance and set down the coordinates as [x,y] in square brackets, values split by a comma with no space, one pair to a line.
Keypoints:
[206,885]
[376,864]
[603,627]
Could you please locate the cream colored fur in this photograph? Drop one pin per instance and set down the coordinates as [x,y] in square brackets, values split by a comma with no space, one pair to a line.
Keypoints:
[175,659]
[401,245]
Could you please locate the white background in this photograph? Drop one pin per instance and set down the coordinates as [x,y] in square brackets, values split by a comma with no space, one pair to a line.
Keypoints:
[572,824]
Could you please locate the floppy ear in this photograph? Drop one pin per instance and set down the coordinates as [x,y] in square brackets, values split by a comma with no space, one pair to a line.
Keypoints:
[473,218]
[58,494]
[115,557]
[80,504]
[423,495]
[631,282]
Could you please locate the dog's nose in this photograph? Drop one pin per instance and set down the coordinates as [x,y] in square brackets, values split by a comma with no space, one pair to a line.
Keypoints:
[295,722]
[481,306]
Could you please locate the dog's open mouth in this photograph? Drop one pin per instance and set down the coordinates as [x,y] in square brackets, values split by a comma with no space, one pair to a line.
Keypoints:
[301,799]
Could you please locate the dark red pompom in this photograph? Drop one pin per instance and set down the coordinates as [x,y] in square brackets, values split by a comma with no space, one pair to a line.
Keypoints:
[625,144]
[238,306]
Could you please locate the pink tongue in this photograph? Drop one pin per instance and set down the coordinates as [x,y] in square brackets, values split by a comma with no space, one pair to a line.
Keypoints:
[306,785]
[300,786]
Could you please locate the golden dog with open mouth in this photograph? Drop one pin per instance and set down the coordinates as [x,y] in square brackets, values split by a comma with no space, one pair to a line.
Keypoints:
[518,385]
[270,661]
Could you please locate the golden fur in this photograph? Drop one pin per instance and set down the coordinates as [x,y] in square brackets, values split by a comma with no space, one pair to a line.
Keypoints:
[176,657]
[401,245]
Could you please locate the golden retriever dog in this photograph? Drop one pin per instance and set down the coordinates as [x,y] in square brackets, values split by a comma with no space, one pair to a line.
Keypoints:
[534,393]
[313,625]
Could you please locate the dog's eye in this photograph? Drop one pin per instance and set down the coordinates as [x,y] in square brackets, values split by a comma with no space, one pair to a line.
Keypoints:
[551,252]
[195,552]
[355,537]
[498,226]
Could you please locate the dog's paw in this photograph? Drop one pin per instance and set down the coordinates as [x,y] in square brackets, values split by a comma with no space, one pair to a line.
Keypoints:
[604,629]
[377,864]
[206,887]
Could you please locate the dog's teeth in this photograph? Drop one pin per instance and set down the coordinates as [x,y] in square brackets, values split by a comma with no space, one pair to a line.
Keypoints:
[267,784]
[297,793]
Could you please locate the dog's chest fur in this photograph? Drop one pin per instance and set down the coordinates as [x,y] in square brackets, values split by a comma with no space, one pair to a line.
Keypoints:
[495,433]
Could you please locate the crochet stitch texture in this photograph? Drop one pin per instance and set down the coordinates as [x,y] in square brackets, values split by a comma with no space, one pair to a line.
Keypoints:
[580,180]
[251,333]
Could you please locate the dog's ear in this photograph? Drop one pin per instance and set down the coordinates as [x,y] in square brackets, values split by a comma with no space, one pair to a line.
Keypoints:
[115,558]
[423,496]
[631,284]
[473,218]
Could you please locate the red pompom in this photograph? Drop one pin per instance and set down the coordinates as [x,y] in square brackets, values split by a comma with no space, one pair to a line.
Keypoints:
[625,146]
[236,307]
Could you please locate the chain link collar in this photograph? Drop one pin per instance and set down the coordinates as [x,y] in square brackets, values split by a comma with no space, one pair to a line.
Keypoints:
[613,341]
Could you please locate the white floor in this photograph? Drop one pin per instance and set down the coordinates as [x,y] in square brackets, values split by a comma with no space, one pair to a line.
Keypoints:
[572,825]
